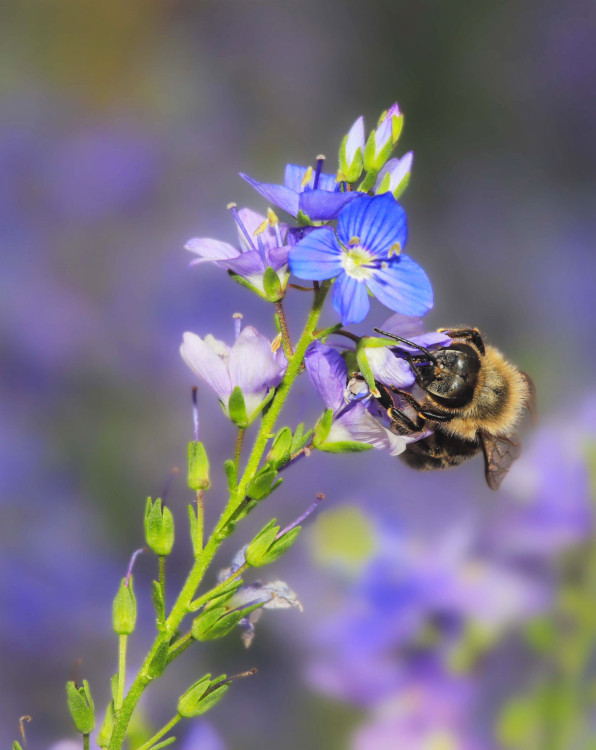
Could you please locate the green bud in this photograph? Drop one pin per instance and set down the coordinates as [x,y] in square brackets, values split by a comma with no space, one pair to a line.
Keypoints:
[266,547]
[272,285]
[215,623]
[159,527]
[105,733]
[198,467]
[124,609]
[237,408]
[345,446]
[322,428]
[280,450]
[263,483]
[190,700]
[80,705]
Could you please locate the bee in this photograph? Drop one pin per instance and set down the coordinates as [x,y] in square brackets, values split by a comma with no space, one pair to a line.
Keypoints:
[473,399]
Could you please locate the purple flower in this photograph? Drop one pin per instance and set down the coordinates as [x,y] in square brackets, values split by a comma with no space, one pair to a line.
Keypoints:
[258,249]
[306,194]
[202,736]
[354,420]
[387,366]
[365,255]
[249,364]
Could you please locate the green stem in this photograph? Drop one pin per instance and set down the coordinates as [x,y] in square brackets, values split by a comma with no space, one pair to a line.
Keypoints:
[85,742]
[162,577]
[238,448]
[285,332]
[180,608]
[122,641]
[158,735]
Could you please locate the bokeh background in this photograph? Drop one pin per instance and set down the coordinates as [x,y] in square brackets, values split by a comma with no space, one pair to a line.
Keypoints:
[122,128]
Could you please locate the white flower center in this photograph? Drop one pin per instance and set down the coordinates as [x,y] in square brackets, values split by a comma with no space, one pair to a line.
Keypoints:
[356,263]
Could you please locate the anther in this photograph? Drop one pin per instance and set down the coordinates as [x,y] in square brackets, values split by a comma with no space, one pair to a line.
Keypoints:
[237,324]
[354,241]
[395,249]
[307,177]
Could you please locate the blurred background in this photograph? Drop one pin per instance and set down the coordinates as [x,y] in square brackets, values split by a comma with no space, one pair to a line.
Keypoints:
[436,611]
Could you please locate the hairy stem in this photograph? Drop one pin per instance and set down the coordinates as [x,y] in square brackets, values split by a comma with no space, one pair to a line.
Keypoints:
[285,333]
[85,742]
[122,642]
[202,561]
[162,577]
[238,448]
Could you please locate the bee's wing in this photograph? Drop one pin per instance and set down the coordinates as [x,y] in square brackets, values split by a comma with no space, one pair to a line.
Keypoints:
[499,454]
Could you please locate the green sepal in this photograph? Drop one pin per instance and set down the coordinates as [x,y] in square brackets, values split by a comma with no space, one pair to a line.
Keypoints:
[114,685]
[16,746]
[281,447]
[215,623]
[246,284]
[231,474]
[198,467]
[322,428]
[263,483]
[402,186]
[349,172]
[364,367]
[105,733]
[300,438]
[237,408]
[272,285]
[80,705]
[159,661]
[189,700]
[369,153]
[165,743]
[303,220]
[211,698]
[159,527]
[124,609]
[265,547]
[345,446]
[158,602]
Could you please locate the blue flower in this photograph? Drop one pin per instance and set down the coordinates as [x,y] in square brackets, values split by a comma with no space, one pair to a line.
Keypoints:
[365,255]
[310,195]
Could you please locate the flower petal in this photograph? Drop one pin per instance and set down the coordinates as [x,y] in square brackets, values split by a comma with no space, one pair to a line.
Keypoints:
[210,249]
[278,256]
[350,299]
[389,369]
[379,222]
[317,256]
[294,175]
[403,286]
[364,428]
[252,365]
[321,205]
[205,363]
[328,373]
[252,220]
[407,326]
[246,264]
[279,195]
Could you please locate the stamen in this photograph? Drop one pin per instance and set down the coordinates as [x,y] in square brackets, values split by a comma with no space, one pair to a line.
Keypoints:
[262,226]
[133,557]
[320,497]
[195,412]
[274,221]
[394,250]
[318,170]
[232,207]
[384,265]
[354,241]
[276,343]
[307,177]
[237,325]
[248,673]
[262,251]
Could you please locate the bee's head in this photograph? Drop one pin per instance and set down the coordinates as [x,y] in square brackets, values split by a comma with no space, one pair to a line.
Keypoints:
[451,376]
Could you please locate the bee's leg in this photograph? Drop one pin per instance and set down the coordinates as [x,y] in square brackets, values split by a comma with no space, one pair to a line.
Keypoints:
[436,416]
[396,415]
[408,398]
[472,334]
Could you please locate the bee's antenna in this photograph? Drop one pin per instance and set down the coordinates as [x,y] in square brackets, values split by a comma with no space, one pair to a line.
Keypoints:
[408,342]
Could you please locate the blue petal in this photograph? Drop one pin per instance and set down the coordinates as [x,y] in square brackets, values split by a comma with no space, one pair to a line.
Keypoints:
[327,182]
[379,222]
[403,286]
[277,194]
[320,205]
[317,256]
[328,372]
[294,175]
[350,299]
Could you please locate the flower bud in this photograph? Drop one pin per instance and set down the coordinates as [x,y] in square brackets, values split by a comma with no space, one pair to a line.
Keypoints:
[267,546]
[198,467]
[280,450]
[394,177]
[159,527]
[351,152]
[263,483]
[215,623]
[124,610]
[190,700]
[80,705]
[382,140]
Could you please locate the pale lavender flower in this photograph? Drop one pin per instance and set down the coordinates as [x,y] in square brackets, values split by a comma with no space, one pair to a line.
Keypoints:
[271,595]
[394,176]
[249,364]
[202,736]
[356,416]
[351,152]
[258,250]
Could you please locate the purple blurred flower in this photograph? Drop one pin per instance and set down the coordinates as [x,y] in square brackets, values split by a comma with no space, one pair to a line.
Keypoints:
[272,595]
[258,250]
[365,255]
[202,736]
[306,194]
[249,364]
[355,419]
